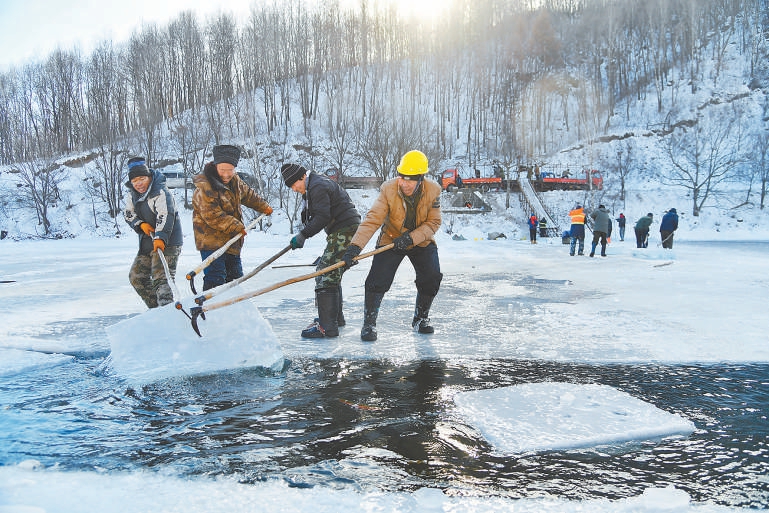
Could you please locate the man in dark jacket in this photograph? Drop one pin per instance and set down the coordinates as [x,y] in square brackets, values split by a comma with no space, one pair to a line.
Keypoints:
[642,230]
[150,210]
[601,229]
[668,225]
[533,224]
[217,217]
[327,206]
[621,223]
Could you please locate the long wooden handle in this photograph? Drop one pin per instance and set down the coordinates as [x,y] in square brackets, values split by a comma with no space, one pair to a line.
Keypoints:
[221,288]
[219,252]
[294,280]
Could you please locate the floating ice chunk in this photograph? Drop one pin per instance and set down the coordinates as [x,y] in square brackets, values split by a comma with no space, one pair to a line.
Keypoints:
[160,343]
[558,416]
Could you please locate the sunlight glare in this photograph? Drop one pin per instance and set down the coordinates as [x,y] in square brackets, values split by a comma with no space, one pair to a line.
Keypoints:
[425,11]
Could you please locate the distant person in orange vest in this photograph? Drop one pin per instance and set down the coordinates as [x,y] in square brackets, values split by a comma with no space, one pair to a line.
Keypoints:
[577,232]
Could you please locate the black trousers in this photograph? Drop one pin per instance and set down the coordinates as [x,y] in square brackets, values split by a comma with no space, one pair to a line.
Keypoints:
[641,236]
[426,265]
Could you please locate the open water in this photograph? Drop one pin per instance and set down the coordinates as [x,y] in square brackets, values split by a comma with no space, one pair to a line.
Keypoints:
[338,423]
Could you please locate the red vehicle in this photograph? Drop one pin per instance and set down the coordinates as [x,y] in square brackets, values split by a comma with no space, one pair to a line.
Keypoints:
[451,180]
[591,179]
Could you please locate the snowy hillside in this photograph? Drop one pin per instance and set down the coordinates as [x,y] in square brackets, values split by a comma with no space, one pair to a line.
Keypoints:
[642,146]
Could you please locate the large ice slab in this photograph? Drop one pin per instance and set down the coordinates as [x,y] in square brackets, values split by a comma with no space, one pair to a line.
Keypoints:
[556,416]
[160,343]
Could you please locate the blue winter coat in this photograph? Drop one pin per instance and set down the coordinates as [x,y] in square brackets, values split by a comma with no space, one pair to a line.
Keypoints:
[157,208]
[669,221]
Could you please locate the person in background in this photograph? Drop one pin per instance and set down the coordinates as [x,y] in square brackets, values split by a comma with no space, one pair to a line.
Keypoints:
[601,229]
[577,231]
[621,224]
[543,227]
[408,212]
[326,206]
[642,230]
[150,210]
[217,216]
[668,225]
[533,224]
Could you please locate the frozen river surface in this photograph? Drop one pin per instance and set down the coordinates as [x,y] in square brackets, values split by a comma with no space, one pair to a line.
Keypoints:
[680,330]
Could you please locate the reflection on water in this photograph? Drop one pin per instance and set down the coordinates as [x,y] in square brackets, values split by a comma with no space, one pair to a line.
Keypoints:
[339,423]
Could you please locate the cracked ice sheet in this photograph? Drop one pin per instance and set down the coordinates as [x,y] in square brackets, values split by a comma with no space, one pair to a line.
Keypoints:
[553,416]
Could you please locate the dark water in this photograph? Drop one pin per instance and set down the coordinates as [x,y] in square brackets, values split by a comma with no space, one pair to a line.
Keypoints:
[337,423]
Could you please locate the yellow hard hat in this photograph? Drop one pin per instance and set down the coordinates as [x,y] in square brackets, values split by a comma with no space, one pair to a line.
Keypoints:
[413,163]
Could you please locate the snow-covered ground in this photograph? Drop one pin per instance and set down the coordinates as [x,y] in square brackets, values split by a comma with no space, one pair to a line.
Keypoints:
[699,303]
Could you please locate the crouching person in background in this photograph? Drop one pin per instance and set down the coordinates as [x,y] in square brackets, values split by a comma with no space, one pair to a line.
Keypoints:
[408,212]
[150,210]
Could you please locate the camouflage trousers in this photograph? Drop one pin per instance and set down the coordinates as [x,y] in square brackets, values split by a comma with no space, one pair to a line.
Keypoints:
[336,244]
[148,277]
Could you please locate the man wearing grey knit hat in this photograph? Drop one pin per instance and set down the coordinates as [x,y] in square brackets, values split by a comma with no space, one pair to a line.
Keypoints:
[150,210]
[326,206]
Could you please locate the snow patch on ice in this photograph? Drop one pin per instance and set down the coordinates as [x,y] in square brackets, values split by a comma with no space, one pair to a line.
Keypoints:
[16,361]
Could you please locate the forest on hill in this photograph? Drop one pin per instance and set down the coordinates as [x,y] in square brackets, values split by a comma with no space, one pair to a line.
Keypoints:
[493,81]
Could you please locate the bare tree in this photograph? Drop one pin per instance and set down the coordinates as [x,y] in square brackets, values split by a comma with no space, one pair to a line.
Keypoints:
[702,156]
[623,167]
[761,164]
[41,180]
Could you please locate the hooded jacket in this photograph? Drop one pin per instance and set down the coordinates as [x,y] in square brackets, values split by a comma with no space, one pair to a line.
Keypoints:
[602,220]
[389,213]
[216,213]
[644,223]
[328,206]
[155,207]
[669,221]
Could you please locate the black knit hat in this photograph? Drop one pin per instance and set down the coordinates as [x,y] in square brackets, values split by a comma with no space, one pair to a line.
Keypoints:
[291,173]
[226,154]
[137,167]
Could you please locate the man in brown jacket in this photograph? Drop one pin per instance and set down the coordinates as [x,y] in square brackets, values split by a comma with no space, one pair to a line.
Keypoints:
[216,215]
[408,212]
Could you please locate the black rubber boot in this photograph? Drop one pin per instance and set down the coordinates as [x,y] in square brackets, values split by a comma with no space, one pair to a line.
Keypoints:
[325,325]
[421,321]
[370,312]
[340,315]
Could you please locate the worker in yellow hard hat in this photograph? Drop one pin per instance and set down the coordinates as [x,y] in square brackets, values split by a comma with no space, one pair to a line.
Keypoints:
[408,212]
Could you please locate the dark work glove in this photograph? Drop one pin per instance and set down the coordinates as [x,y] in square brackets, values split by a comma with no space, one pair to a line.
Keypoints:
[349,255]
[403,242]
[297,241]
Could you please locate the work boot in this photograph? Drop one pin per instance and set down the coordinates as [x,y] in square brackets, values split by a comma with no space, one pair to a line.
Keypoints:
[421,321]
[325,325]
[340,315]
[592,251]
[370,312]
